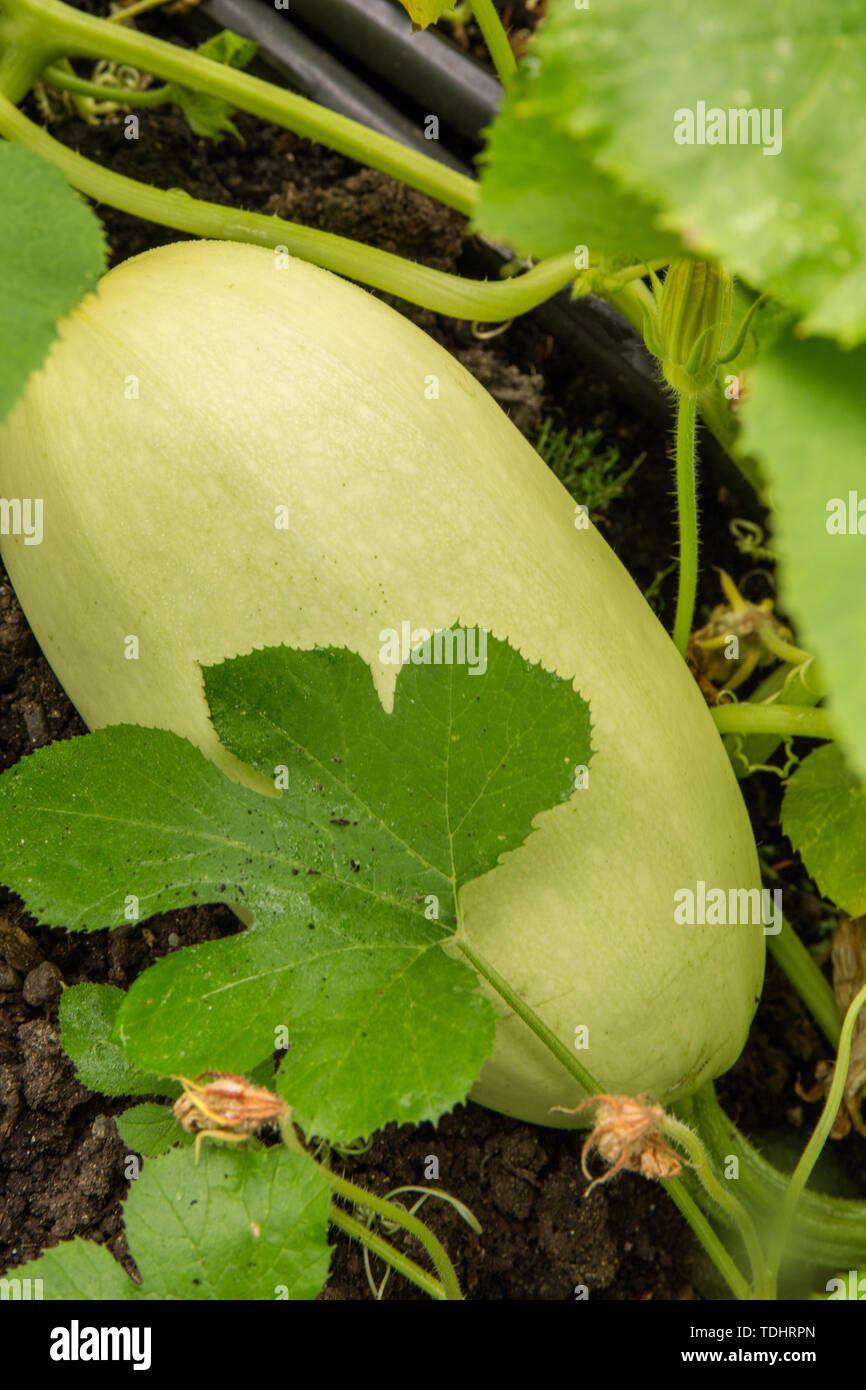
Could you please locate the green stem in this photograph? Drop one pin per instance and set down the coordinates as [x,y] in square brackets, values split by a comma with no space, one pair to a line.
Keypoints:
[785,651]
[720,1257]
[23,55]
[687,517]
[678,1131]
[800,686]
[401,1263]
[824,1231]
[786,720]
[488,301]
[629,298]
[495,37]
[700,1226]
[791,955]
[812,1152]
[529,1017]
[84,105]
[722,422]
[100,91]
[142,6]
[391,1211]
[689,1141]
[75,34]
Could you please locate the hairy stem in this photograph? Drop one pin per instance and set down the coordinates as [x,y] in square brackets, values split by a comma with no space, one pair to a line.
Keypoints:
[689,1141]
[687,517]
[720,1257]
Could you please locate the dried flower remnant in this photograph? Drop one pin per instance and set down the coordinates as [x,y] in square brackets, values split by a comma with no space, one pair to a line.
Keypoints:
[738,619]
[226,1107]
[627,1135]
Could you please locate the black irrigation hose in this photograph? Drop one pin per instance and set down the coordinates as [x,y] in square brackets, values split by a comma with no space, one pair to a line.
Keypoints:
[437,78]
[425,67]
[311,70]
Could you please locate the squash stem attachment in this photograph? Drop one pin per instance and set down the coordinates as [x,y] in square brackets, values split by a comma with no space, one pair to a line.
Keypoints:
[818,1229]
[528,1016]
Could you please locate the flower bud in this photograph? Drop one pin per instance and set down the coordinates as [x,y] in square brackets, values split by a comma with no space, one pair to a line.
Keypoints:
[694,320]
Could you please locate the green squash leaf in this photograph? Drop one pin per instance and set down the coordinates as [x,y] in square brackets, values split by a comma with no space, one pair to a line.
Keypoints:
[541,191]
[242,1224]
[211,116]
[151,1130]
[352,875]
[87,1015]
[804,419]
[612,81]
[824,817]
[79,1269]
[382,1025]
[52,252]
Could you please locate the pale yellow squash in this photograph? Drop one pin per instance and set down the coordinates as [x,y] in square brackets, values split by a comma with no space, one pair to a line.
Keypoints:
[204,387]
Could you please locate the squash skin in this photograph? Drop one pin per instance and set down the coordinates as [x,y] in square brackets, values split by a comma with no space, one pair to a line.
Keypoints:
[262,386]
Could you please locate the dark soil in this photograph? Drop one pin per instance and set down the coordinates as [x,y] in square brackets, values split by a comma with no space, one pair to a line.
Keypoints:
[61,1160]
